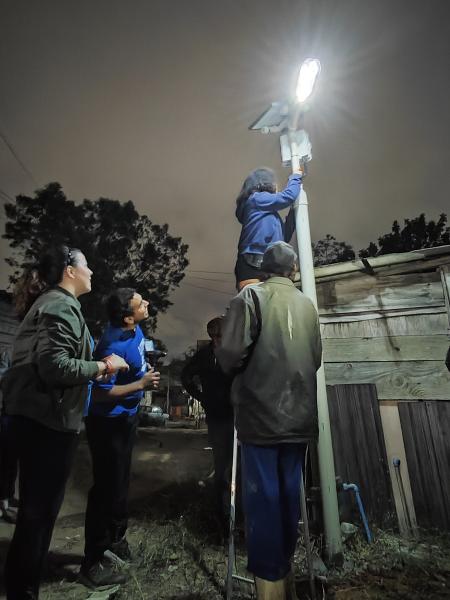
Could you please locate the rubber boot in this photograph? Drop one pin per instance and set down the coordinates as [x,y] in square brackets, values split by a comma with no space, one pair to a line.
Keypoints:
[270,590]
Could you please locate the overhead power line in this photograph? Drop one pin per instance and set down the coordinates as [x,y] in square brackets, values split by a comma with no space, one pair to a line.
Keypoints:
[6,196]
[201,287]
[18,159]
[208,278]
[214,272]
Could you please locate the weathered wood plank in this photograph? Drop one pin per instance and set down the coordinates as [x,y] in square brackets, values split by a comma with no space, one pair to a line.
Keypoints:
[385,349]
[398,269]
[425,429]
[381,314]
[425,266]
[423,324]
[359,452]
[380,293]
[387,260]
[400,481]
[415,380]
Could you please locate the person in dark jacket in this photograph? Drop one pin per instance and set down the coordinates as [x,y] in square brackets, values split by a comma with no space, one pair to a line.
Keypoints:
[271,339]
[9,465]
[257,209]
[45,392]
[214,395]
[26,290]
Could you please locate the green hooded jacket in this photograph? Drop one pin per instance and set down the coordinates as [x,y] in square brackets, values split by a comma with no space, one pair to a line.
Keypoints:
[271,340]
[51,364]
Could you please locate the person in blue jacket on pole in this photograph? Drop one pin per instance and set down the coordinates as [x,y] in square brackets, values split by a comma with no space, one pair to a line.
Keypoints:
[257,207]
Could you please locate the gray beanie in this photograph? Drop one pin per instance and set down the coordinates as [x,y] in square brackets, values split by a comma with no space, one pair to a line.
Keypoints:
[279,258]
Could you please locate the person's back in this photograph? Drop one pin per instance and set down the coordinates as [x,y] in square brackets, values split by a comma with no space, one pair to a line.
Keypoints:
[279,380]
[214,393]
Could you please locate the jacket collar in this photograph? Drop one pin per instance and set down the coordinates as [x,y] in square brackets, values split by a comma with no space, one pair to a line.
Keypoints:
[278,279]
[57,288]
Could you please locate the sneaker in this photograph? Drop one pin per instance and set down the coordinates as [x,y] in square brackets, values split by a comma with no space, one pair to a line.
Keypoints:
[102,573]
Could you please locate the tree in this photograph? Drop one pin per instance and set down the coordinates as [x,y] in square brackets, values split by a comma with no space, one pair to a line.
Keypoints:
[417,233]
[123,248]
[329,250]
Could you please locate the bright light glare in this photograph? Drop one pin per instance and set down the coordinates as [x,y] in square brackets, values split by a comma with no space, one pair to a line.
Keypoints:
[309,71]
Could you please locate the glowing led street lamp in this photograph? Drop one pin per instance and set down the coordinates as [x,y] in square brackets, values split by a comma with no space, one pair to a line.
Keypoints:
[307,78]
[283,118]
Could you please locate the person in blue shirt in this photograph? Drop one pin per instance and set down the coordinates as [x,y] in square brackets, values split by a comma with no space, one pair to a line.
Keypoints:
[257,209]
[111,425]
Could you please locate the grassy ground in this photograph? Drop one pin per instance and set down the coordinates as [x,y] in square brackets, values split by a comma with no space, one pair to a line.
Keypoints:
[179,557]
[176,544]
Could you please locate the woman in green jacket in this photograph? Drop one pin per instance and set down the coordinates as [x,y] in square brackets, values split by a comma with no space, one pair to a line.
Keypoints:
[45,393]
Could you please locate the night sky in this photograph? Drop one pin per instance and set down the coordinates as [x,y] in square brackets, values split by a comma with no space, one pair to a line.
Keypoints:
[150,101]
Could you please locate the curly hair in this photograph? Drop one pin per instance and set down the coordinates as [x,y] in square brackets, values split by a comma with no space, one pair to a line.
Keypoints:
[28,287]
[262,179]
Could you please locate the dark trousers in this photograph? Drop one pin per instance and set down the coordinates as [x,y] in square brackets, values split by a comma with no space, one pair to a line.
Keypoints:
[8,458]
[111,441]
[271,499]
[220,436]
[45,459]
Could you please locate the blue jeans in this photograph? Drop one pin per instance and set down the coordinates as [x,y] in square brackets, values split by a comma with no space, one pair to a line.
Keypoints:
[271,500]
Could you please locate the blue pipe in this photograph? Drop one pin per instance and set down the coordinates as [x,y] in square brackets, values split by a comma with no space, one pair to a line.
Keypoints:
[354,488]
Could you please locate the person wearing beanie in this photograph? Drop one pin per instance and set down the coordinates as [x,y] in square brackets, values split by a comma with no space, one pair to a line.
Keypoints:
[271,342]
[257,207]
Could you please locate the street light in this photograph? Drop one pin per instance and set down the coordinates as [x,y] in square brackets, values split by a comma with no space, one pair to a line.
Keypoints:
[283,118]
[307,78]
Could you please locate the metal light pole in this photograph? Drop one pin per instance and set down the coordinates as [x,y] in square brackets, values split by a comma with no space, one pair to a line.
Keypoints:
[325,447]
[296,149]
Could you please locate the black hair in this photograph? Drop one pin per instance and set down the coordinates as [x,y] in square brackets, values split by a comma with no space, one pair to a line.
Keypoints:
[118,306]
[53,262]
[38,277]
[262,179]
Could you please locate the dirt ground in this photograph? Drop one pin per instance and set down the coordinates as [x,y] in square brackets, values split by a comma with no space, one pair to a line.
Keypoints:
[178,554]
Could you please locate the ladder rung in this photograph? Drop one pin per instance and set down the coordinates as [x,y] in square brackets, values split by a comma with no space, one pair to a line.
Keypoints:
[245,579]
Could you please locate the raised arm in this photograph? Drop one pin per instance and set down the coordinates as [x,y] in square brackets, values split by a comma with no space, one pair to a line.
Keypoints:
[280,200]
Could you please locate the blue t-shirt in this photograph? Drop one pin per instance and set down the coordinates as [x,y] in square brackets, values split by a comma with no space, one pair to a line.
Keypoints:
[129,344]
